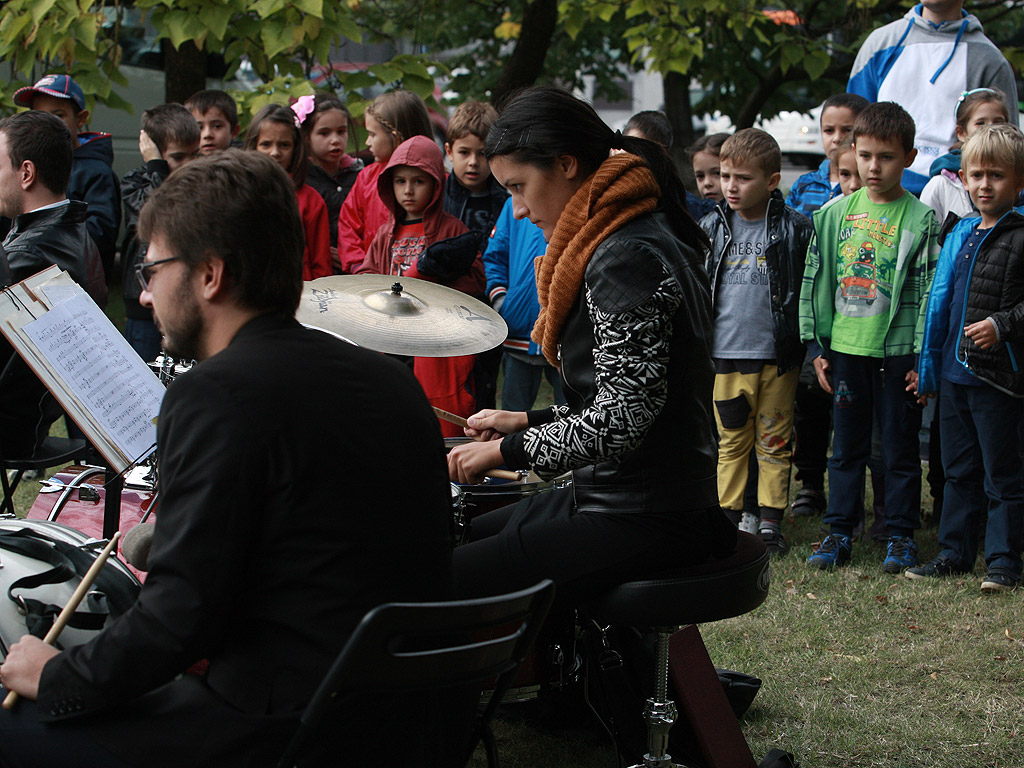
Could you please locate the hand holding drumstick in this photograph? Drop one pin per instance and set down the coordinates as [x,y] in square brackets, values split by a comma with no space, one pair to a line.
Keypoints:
[471,462]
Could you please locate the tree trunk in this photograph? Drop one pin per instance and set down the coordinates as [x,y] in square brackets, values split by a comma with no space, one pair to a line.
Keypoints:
[185,69]
[757,97]
[676,94]
[526,63]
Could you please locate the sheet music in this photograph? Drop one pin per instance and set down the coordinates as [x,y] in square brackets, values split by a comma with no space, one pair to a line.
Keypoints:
[101,370]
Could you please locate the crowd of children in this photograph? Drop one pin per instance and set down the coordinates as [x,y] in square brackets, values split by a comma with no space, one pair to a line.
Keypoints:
[835,317]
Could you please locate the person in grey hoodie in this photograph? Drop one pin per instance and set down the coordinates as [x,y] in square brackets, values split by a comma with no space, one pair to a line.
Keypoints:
[924,62]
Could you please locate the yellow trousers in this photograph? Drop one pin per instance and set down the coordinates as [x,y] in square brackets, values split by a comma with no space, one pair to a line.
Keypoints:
[755,410]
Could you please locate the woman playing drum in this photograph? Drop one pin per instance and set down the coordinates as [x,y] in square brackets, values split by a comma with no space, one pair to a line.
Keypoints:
[626,317]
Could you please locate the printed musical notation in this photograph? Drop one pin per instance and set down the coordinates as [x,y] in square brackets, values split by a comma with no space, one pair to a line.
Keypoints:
[101,371]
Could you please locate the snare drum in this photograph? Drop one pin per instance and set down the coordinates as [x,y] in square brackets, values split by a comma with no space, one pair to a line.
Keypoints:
[480,498]
[42,565]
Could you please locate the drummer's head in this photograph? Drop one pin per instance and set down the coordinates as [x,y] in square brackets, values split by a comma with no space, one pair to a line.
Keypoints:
[563,140]
[238,208]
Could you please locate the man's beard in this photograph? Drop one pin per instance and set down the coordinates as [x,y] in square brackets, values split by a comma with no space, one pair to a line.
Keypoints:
[185,341]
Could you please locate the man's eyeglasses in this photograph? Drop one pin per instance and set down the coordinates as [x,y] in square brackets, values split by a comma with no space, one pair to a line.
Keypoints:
[144,270]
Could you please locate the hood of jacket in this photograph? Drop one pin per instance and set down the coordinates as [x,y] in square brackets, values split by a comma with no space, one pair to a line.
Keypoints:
[956,29]
[417,152]
[95,146]
[947,162]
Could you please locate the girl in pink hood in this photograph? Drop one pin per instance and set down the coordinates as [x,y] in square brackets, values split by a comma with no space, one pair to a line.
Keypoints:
[420,240]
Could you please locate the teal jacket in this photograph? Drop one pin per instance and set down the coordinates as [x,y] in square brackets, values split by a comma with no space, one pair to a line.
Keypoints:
[918,253]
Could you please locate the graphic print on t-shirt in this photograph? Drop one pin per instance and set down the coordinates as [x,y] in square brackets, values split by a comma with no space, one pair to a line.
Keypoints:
[867,261]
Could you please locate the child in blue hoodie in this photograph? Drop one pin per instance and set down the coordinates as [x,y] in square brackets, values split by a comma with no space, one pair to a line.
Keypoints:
[971,355]
[93,180]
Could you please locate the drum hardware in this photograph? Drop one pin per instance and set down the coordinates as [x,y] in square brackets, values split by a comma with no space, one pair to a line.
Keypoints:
[71,606]
[408,317]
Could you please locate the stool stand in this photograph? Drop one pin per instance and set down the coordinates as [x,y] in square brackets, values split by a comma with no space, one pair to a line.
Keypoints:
[660,710]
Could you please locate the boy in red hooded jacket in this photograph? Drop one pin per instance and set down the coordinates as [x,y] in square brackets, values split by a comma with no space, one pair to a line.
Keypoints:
[420,240]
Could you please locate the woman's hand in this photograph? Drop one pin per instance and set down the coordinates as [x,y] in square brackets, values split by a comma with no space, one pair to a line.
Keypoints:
[468,463]
[489,425]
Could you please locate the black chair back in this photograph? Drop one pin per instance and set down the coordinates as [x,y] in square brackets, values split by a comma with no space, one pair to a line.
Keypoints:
[406,647]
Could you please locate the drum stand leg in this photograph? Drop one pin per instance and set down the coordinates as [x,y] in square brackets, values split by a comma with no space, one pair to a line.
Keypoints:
[660,710]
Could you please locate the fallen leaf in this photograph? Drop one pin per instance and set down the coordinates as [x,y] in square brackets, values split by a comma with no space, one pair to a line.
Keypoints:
[811,596]
[1000,658]
[1009,636]
[883,599]
[934,675]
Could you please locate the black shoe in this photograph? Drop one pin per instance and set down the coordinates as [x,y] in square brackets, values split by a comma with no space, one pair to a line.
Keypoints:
[998,582]
[774,541]
[935,568]
[809,502]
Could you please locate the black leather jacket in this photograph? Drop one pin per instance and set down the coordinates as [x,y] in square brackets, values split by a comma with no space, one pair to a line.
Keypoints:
[673,466]
[789,232]
[56,236]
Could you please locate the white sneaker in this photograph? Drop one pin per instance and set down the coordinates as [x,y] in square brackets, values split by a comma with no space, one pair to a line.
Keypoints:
[749,522]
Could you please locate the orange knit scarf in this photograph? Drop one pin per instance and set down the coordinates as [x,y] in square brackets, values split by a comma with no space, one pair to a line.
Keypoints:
[622,189]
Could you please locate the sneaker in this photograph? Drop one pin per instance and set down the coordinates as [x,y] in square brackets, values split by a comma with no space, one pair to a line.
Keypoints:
[902,553]
[809,502]
[748,523]
[774,541]
[935,568]
[998,582]
[834,551]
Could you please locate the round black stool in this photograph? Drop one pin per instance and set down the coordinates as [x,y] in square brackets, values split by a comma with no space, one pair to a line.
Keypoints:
[714,590]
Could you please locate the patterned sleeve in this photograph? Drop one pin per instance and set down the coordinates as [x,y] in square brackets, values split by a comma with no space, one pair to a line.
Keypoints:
[631,372]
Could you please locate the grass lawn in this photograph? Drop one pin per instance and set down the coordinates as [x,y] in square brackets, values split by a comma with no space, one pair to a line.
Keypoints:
[861,669]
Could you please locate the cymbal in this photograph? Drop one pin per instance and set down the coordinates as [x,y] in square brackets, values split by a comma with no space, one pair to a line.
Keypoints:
[401,315]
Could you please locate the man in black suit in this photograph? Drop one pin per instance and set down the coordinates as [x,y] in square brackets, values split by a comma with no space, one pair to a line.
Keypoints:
[257,565]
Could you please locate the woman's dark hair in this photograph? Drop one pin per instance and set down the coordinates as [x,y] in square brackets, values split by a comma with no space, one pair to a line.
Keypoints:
[278,113]
[540,124]
[324,102]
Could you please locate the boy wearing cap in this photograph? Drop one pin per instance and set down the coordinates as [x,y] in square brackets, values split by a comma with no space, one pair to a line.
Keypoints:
[93,180]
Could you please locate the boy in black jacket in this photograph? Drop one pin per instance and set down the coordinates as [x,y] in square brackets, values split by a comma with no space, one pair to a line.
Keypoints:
[169,138]
[758,246]
[971,355]
[93,180]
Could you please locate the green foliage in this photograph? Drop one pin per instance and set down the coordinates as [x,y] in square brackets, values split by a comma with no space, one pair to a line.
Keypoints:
[282,40]
[478,37]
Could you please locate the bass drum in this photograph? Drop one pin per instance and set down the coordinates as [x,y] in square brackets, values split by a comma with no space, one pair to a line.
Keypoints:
[42,564]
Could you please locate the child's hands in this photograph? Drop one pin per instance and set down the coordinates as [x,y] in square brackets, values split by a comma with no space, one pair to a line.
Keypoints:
[911,379]
[982,333]
[821,369]
[147,147]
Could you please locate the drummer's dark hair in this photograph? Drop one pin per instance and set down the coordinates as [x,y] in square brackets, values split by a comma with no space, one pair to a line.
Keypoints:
[538,125]
[240,207]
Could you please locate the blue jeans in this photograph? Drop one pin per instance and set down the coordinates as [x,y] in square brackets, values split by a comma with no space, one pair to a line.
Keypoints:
[522,381]
[864,387]
[144,338]
[980,455]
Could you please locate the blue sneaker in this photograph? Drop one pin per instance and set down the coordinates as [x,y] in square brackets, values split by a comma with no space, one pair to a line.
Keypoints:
[834,551]
[901,554]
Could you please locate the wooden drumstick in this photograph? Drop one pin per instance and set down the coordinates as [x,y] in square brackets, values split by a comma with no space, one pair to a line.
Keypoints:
[76,598]
[503,474]
[451,418]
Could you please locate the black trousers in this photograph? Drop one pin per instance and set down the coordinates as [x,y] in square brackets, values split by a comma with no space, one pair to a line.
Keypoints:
[584,553]
[27,743]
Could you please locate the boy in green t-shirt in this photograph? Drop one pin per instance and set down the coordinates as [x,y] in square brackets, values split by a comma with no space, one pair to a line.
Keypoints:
[862,307]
